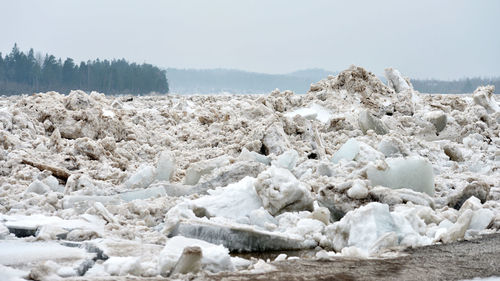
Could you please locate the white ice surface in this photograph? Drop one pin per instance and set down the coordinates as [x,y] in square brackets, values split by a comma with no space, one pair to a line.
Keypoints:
[19,252]
[314,111]
[215,258]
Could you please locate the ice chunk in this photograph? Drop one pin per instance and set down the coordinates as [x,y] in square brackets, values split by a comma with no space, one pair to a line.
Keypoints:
[287,160]
[396,81]
[348,151]
[38,187]
[215,258]
[438,119]
[19,252]
[481,219]
[83,202]
[230,174]
[358,190]
[362,227]
[280,191]
[369,122]
[483,96]
[275,140]
[413,173]
[262,218]
[237,237]
[234,201]
[142,178]
[165,167]
[190,261]
[150,192]
[4,231]
[122,266]
[314,111]
[388,148]
[246,155]
[198,169]
[457,230]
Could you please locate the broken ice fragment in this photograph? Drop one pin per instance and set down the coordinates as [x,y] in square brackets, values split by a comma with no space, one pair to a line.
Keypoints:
[150,192]
[438,119]
[483,96]
[142,178]
[38,187]
[413,173]
[190,261]
[287,160]
[369,122]
[165,166]
[348,151]
[395,80]
[246,155]
[281,191]
[214,258]
[198,169]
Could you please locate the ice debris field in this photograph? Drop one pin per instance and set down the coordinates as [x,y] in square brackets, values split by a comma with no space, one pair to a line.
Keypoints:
[158,186]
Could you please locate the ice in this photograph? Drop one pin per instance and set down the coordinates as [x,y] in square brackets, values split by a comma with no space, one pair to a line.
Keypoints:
[362,227]
[358,190]
[238,237]
[38,187]
[438,119]
[246,155]
[230,174]
[20,252]
[235,201]
[457,230]
[165,167]
[190,261]
[198,169]
[150,192]
[280,191]
[481,219]
[348,151]
[369,122]
[287,160]
[314,111]
[215,258]
[484,96]
[275,140]
[414,173]
[122,266]
[142,178]
[11,274]
[395,80]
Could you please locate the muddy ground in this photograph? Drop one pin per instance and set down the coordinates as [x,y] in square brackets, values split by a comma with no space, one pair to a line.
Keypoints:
[454,261]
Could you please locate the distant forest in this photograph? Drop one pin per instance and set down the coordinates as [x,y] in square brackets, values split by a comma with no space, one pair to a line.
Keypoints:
[30,73]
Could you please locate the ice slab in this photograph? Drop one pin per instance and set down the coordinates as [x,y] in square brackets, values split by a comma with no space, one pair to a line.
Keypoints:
[231,174]
[483,96]
[414,173]
[215,257]
[19,252]
[237,237]
[287,160]
[150,192]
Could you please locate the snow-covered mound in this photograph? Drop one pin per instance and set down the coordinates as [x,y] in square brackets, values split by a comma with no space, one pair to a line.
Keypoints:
[94,185]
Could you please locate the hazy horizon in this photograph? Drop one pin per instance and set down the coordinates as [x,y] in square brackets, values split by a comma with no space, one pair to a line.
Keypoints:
[444,40]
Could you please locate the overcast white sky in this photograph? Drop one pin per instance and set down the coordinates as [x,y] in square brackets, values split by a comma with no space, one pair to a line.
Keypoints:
[442,39]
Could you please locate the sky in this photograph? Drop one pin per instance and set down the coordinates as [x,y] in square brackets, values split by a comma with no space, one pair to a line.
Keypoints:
[442,39]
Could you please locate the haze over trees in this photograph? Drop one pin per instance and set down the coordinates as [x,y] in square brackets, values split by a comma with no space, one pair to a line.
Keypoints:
[30,73]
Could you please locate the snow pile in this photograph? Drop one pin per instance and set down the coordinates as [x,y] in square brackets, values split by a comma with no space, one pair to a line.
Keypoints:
[97,186]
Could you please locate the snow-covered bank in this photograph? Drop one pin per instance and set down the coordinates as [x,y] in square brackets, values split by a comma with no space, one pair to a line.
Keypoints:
[354,167]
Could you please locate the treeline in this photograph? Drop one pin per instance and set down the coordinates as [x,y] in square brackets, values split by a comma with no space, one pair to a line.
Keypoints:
[30,73]
[462,86]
